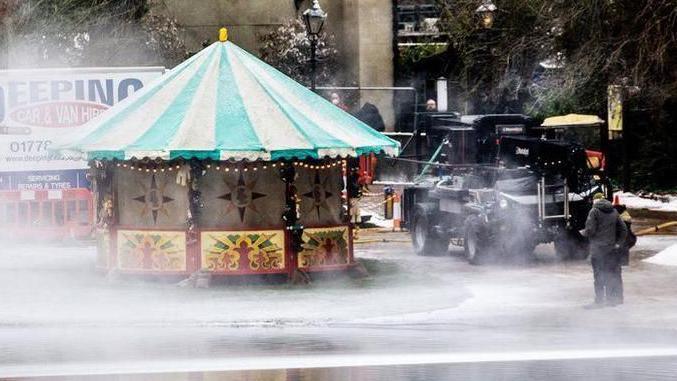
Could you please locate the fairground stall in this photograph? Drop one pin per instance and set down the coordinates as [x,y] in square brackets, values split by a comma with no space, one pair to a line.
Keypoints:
[226,166]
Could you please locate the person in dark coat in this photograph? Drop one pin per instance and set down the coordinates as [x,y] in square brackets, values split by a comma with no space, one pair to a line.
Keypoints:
[370,115]
[631,238]
[606,233]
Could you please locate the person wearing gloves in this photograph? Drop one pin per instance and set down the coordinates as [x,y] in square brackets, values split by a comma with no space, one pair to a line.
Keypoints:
[606,233]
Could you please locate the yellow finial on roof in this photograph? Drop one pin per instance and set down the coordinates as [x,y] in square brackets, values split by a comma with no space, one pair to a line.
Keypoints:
[223,34]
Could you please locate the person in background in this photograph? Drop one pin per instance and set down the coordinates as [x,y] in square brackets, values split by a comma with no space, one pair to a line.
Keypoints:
[370,115]
[430,105]
[631,238]
[336,100]
[607,233]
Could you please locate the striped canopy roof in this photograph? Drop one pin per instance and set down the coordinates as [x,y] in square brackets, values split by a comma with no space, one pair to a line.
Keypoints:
[225,104]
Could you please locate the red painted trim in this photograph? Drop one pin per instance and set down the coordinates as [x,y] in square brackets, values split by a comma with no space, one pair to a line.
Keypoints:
[326,226]
[351,254]
[191,255]
[153,272]
[146,229]
[248,272]
[289,254]
[231,229]
[198,253]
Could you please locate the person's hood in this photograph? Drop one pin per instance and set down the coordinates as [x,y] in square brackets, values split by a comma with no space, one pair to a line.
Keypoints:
[603,205]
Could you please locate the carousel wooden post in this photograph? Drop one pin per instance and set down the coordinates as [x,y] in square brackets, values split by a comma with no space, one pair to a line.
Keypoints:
[107,215]
[353,192]
[294,230]
[101,177]
[197,278]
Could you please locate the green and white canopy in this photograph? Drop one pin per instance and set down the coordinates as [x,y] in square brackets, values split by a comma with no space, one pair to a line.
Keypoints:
[225,104]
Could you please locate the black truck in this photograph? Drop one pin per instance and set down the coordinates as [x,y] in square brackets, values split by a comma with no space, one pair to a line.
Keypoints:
[497,185]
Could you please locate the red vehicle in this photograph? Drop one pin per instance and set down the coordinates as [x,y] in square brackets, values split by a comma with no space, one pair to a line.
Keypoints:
[46,214]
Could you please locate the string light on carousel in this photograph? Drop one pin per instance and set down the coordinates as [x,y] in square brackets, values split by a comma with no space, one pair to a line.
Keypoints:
[224,166]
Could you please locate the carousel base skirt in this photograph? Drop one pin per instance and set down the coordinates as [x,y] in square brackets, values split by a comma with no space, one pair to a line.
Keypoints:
[222,253]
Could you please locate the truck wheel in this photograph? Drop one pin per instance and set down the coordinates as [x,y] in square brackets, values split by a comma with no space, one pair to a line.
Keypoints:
[474,242]
[425,240]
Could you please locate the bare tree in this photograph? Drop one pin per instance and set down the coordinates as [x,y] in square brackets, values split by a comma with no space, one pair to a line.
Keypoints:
[288,49]
[92,32]
[558,56]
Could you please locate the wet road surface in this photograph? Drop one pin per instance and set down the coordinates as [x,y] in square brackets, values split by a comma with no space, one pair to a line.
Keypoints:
[415,318]
[601,369]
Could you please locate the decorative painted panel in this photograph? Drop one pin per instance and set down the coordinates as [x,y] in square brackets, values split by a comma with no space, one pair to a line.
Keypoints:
[102,248]
[243,251]
[324,247]
[242,200]
[320,194]
[151,250]
[150,199]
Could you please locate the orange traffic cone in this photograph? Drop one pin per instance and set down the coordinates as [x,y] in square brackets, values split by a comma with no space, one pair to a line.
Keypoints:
[617,200]
[397,212]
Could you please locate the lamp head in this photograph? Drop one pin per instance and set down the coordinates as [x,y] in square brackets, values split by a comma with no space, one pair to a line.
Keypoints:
[486,13]
[314,18]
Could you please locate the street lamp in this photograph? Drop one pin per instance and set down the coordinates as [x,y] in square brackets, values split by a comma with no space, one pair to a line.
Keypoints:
[313,18]
[486,13]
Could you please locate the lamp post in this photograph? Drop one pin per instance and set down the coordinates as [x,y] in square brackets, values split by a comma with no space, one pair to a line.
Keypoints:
[486,13]
[313,18]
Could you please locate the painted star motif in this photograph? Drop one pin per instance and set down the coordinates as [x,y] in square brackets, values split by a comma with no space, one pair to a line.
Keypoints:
[241,195]
[153,199]
[319,194]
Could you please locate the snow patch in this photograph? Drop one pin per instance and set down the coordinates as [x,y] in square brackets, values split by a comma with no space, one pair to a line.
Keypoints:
[666,203]
[377,219]
[667,257]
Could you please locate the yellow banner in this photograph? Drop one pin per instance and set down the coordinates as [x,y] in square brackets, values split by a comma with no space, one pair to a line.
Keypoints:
[615,111]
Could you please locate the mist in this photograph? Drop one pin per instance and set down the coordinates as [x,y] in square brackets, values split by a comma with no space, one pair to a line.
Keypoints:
[518,315]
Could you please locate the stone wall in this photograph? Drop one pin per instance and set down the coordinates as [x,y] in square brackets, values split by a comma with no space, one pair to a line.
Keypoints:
[362,29]
[244,19]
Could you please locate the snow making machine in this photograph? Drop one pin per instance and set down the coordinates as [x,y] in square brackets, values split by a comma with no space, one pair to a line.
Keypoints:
[498,185]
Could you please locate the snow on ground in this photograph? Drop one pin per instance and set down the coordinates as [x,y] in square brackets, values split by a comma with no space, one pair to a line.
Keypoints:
[654,243]
[58,312]
[667,257]
[52,284]
[377,219]
[667,203]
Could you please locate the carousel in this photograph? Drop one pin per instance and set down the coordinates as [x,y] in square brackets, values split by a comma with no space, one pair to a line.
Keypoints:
[225,166]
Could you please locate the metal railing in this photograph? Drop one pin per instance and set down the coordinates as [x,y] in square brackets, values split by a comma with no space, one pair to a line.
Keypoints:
[541,192]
